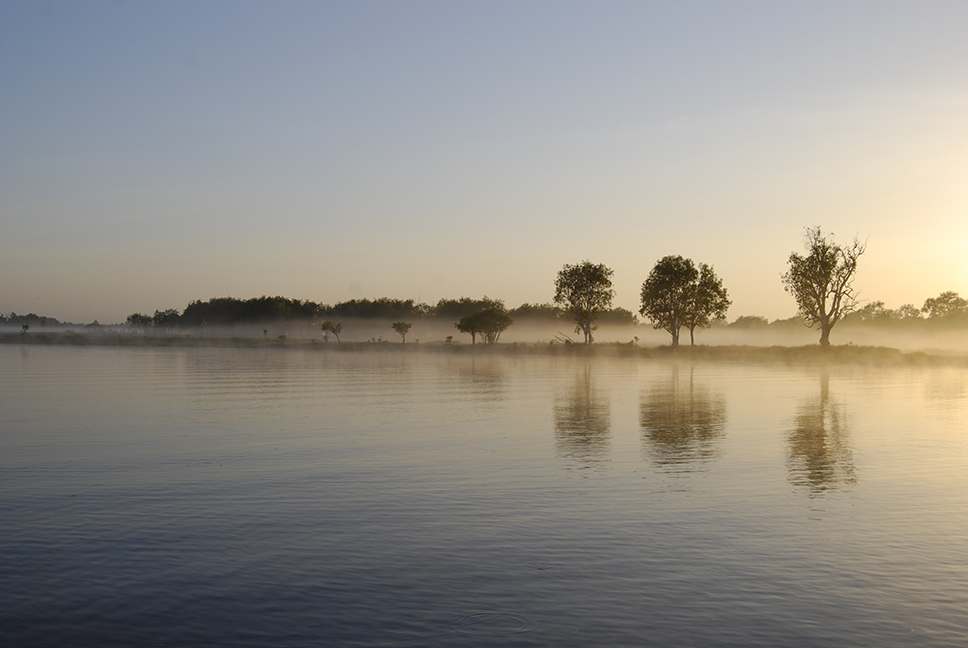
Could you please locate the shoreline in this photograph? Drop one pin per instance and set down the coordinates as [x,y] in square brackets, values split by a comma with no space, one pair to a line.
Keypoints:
[849,354]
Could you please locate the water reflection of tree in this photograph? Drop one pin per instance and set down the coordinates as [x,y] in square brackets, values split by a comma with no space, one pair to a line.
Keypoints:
[819,453]
[582,416]
[485,378]
[681,423]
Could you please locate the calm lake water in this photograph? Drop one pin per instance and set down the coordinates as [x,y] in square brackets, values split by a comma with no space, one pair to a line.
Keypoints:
[171,497]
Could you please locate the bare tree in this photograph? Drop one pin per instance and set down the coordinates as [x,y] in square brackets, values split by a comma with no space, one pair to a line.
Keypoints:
[822,281]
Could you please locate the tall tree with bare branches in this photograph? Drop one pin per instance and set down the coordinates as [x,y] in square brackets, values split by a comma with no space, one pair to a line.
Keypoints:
[822,280]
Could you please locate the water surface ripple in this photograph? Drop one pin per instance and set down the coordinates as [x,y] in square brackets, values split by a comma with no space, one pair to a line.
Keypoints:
[169,497]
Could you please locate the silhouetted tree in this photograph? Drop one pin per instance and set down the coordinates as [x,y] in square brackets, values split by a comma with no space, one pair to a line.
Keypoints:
[30,318]
[166,319]
[821,281]
[708,300]
[750,321]
[458,308]
[139,321]
[489,323]
[382,308]
[617,316]
[330,327]
[872,313]
[402,328]
[907,312]
[667,292]
[946,306]
[226,311]
[536,312]
[584,290]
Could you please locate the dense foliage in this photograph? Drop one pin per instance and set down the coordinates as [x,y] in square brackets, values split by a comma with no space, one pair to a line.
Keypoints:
[585,290]
[489,323]
[678,294]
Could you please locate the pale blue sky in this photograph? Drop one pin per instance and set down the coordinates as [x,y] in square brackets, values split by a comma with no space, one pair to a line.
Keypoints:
[154,153]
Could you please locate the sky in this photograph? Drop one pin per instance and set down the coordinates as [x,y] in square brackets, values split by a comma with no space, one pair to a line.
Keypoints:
[155,153]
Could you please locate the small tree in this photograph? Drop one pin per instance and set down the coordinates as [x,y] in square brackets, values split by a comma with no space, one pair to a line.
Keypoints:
[330,327]
[584,290]
[469,324]
[402,328]
[488,322]
[822,280]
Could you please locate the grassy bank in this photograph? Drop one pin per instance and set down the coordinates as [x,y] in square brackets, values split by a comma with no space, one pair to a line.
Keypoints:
[810,354]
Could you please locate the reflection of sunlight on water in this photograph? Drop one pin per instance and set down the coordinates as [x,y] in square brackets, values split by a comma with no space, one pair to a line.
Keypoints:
[947,393]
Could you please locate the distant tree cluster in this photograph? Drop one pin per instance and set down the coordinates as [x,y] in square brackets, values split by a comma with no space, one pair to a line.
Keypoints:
[947,310]
[30,319]
[382,308]
[227,311]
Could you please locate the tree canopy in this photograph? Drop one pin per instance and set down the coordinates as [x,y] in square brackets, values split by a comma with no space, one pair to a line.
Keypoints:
[139,320]
[584,290]
[708,300]
[489,323]
[948,305]
[331,327]
[402,328]
[167,319]
[457,308]
[678,294]
[821,281]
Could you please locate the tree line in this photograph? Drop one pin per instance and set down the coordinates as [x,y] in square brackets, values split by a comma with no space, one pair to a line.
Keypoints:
[230,311]
[677,294]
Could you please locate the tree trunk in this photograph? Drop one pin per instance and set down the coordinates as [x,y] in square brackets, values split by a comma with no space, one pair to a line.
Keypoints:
[825,336]
[675,338]
[692,336]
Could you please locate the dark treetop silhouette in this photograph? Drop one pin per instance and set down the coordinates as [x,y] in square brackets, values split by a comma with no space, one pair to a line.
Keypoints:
[584,290]
[822,281]
[677,294]
[489,323]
